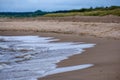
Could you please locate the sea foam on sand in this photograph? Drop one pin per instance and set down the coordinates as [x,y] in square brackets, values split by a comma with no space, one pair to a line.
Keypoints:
[30,57]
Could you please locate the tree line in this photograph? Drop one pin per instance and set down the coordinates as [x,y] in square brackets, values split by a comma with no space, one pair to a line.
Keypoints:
[41,13]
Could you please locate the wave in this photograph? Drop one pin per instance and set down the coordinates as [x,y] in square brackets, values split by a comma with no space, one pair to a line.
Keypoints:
[30,57]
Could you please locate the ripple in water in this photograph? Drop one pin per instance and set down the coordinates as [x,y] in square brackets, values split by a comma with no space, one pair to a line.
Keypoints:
[30,57]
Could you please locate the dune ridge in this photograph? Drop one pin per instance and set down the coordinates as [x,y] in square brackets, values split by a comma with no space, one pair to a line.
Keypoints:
[97,29]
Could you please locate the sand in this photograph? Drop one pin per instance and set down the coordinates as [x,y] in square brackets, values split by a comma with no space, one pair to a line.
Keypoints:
[107,30]
[105,55]
[103,19]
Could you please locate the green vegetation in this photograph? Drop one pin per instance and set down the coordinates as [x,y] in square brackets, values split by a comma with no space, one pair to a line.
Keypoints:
[98,11]
[22,14]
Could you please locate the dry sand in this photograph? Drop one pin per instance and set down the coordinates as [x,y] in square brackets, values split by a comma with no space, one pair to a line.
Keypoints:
[105,19]
[105,55]
[108,30]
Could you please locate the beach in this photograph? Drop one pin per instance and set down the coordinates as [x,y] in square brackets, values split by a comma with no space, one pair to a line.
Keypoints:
[105,55]
[103,27]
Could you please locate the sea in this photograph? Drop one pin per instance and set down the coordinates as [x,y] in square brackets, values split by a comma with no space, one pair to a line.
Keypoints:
[32,57]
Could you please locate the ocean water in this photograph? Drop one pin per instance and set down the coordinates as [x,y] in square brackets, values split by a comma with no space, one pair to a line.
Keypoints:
[31,57]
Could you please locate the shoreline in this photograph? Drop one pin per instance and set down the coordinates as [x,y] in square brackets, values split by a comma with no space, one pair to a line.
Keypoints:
[104,33]
[105,57]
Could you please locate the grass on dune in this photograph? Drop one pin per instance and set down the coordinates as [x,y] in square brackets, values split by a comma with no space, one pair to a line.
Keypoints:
[87,13]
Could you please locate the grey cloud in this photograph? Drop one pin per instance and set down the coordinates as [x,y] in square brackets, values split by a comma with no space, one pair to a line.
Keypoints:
[50,5]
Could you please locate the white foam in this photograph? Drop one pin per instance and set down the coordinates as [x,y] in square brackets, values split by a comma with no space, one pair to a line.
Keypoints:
[28,38]
[36,56]
[67,69]
[4,46]
[2,66]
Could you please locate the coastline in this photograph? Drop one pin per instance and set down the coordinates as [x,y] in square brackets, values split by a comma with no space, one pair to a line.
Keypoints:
[105,55]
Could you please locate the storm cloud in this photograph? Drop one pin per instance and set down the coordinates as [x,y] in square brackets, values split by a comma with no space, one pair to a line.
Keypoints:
[52,5]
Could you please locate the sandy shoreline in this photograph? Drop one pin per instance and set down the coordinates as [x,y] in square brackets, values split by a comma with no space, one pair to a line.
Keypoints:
[105,55]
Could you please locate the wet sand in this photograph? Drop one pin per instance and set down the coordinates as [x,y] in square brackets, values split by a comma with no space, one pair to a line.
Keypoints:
[105,56]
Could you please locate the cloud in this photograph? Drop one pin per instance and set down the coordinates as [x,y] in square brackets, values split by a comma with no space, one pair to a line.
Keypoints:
[50,5]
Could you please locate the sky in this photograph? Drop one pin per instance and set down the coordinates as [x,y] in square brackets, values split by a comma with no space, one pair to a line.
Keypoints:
[52,5]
